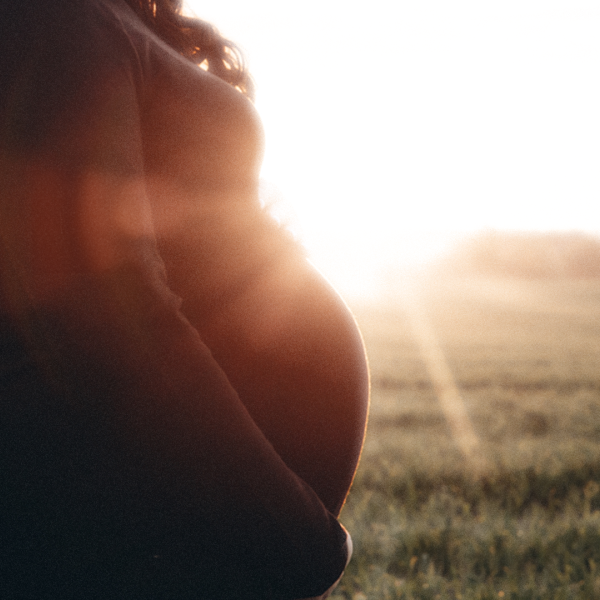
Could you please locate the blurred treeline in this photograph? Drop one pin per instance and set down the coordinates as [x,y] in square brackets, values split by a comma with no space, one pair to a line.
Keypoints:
[528,255]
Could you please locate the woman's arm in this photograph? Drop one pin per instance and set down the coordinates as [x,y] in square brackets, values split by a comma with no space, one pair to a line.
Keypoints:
[332,588]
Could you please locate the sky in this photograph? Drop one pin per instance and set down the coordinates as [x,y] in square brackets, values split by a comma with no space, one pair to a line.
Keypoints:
[394,127]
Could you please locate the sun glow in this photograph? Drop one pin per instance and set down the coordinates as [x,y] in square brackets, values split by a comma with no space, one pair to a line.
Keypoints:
[444,384]
[391,132]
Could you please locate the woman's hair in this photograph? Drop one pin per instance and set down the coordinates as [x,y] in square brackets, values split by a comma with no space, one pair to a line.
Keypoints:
[197,40]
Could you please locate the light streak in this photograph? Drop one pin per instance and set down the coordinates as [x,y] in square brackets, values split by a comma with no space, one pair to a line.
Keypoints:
[442,379]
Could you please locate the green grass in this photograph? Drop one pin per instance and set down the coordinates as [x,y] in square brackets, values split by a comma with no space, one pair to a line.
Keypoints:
[519,520]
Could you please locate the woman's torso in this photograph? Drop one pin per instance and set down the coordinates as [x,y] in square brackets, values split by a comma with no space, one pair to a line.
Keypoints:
[283,338]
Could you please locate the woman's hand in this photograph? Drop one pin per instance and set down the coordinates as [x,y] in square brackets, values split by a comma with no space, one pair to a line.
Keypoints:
[349,549]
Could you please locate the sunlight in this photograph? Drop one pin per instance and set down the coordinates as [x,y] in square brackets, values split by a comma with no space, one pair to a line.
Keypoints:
[473,116]
[359,269]
[354,251]
[449,397]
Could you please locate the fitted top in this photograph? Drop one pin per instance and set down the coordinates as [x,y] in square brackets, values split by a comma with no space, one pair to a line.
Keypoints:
[144,292]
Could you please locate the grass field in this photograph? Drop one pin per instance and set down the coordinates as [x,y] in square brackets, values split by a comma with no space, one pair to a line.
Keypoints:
[480,477]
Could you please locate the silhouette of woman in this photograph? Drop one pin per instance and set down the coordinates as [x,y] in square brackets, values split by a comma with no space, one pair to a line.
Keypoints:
[183,398]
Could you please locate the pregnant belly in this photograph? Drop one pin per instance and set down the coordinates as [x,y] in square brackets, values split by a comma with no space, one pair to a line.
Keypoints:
[292,351]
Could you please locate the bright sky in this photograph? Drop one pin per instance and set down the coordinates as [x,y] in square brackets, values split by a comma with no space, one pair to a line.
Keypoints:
[392,125]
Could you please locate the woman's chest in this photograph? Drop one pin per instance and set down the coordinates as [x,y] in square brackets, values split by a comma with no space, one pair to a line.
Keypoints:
[200,135]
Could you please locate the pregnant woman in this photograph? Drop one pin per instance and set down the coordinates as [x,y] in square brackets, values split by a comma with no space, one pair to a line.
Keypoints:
[182,397]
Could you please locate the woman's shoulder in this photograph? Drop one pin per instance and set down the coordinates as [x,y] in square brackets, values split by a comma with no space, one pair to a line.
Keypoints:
[53,58]
[70,36]
[39,22]
[63,40]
